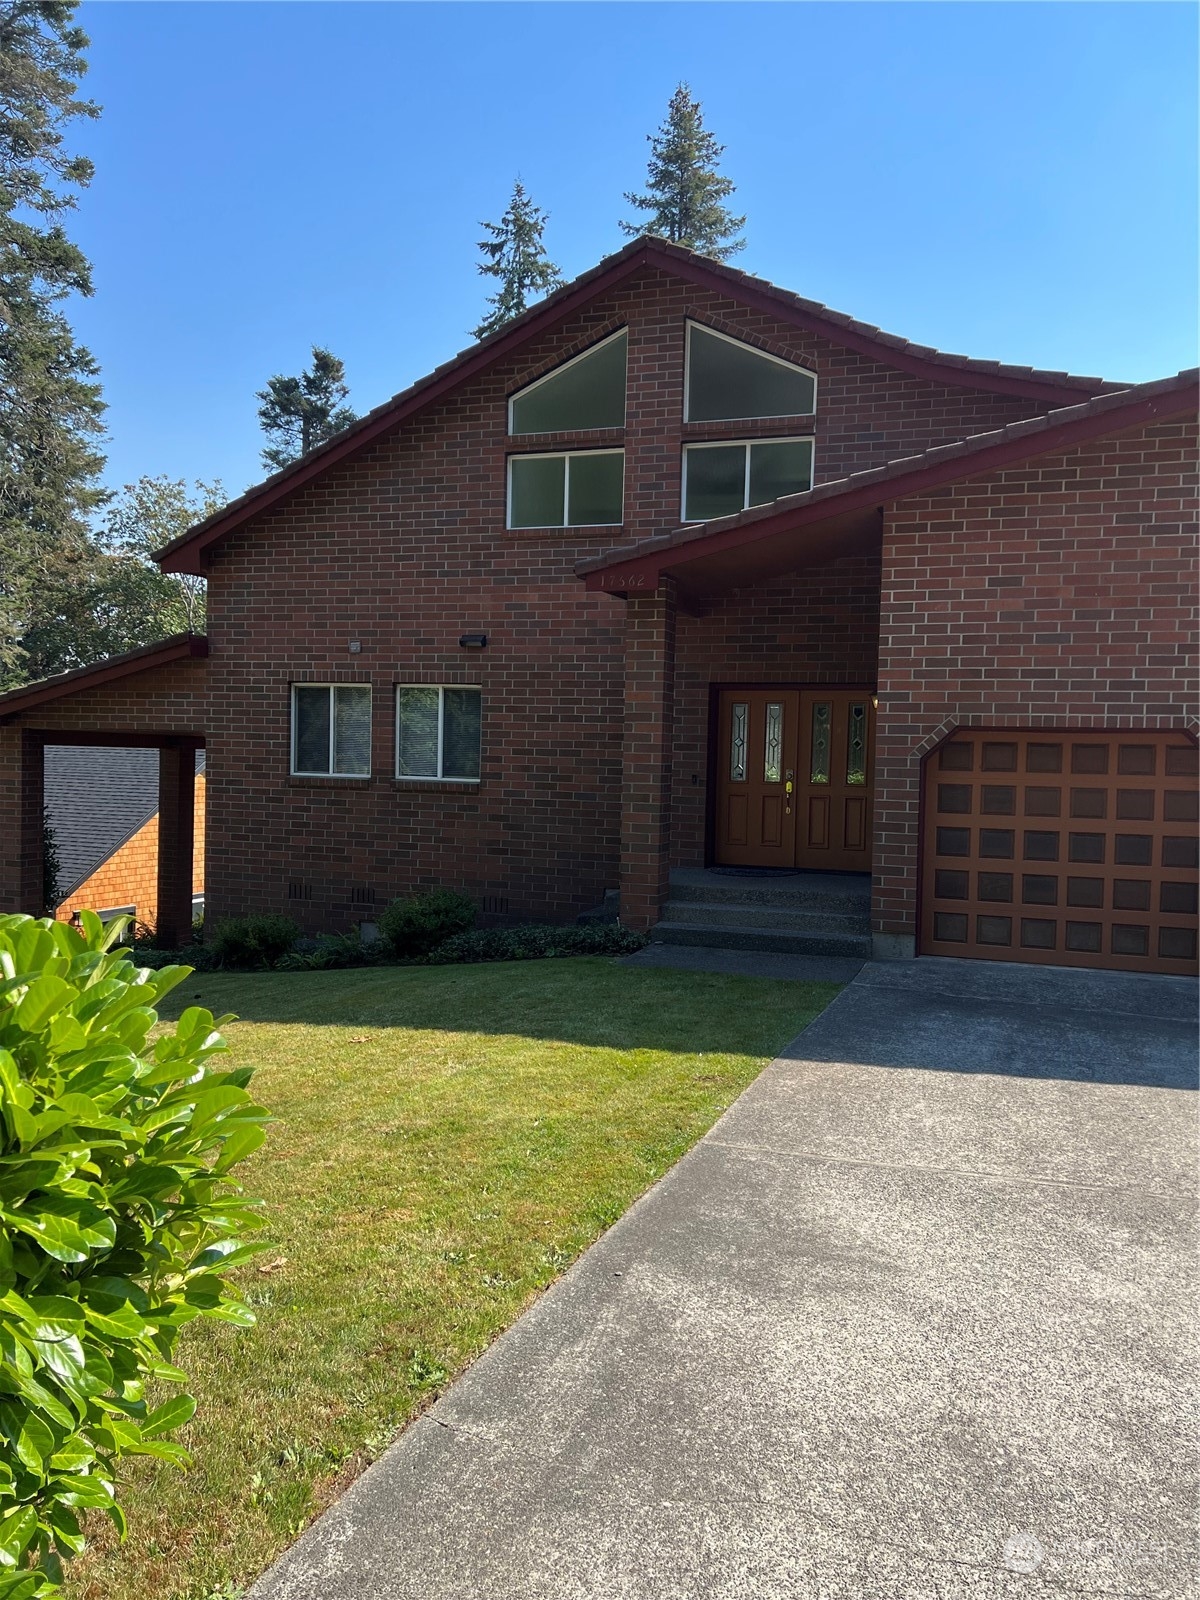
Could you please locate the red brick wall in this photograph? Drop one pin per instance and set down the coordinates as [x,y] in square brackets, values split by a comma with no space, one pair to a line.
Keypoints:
[130,875]
[1058,593]
[404,548]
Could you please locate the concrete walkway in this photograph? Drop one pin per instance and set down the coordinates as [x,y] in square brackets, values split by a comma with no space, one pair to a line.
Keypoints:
[914,1320]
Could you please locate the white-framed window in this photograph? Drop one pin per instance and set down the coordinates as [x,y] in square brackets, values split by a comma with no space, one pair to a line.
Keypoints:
[438,731]
[567,489]
[726,380]
[586,392]
[722,479]
[331,730]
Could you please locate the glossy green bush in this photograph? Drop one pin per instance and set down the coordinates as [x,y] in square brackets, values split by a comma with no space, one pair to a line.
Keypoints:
[118,1221]
[413,927]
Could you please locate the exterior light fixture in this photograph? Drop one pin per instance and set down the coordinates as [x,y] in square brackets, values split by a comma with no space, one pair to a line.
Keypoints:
[472,641]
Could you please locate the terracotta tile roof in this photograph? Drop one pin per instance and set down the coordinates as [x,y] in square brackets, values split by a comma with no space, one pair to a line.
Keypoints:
[639,253]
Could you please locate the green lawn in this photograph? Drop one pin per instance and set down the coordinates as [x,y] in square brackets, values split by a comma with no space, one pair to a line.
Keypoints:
[447,1141]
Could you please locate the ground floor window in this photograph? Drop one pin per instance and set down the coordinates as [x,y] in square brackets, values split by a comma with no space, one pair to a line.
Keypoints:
[438,731]
[719,480]
[331,730]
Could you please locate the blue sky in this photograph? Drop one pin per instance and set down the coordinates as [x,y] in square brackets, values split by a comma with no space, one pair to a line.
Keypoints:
[1014,181]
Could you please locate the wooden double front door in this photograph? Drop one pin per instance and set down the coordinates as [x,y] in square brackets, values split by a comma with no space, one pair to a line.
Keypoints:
[794,778]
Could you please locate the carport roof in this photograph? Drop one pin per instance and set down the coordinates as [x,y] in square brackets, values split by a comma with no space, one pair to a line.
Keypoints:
[177,648]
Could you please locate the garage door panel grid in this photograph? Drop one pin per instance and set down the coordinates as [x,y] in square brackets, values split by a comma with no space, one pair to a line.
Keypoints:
[1074,849]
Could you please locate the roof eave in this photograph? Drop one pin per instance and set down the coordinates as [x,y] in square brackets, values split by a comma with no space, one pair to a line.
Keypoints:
[179,647]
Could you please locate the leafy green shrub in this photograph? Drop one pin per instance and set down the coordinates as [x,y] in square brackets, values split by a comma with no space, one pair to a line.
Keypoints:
[195,956]
[413,927]
[335,950]
[118,1220]
[533,941]
[254,941]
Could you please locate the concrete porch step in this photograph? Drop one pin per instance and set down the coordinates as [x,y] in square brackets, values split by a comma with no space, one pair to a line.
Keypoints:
[772,916]
[845,892]
[722,936]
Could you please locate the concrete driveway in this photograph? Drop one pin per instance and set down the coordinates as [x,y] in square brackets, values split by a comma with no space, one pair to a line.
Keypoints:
[913,1320]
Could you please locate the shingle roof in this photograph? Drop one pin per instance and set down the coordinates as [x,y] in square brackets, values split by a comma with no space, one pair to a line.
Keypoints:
[97,797]
[1108,412]
[1033,382]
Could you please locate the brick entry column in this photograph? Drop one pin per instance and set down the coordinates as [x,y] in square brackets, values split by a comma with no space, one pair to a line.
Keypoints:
[646,777]
[176,812]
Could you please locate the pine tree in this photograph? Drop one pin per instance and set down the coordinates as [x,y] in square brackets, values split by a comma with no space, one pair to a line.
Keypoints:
[517,257]
[298,414]
[684,188]
[50,405]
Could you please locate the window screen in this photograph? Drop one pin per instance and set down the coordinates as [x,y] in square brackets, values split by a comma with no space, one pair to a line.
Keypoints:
[438,731]
[728,380]
[588,392]
[331,730]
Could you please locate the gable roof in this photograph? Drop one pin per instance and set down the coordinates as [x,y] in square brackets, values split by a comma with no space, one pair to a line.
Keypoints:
[97,798]
[177,648]
[183,554]
[708,552]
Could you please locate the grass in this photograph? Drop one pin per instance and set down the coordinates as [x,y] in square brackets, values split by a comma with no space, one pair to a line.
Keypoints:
[447,1141]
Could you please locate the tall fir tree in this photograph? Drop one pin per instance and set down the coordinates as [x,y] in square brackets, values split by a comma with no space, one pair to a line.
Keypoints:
[298,414]
[516,257]
[50,405]
[684,188]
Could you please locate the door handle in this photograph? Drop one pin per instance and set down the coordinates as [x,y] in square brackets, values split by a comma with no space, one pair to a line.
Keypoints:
[787,794]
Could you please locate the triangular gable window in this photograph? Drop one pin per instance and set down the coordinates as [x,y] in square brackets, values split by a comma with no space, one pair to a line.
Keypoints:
[728,380]
[586,392]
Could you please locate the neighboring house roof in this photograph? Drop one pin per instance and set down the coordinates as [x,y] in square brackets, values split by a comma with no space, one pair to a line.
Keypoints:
[97,798]
[713,543]
[183,554]
[177,648]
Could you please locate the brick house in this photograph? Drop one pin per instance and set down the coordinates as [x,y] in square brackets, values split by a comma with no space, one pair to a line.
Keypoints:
[680,579]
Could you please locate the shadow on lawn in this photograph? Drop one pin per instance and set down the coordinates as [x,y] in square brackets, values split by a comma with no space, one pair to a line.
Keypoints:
[593,1001]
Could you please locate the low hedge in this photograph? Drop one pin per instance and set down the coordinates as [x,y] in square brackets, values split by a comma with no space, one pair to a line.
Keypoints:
[254,941]
[118,1222]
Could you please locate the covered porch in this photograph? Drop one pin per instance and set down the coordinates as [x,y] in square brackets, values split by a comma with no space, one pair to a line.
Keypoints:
[750,685]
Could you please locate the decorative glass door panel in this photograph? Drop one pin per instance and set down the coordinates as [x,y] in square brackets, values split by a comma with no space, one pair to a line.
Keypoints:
[794,778]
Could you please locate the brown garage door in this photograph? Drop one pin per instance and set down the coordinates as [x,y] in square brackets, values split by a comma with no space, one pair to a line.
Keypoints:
[1073,849]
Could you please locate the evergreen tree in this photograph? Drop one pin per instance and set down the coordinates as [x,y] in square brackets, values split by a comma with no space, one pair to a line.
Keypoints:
[118,598]
[684,189]
[517,257]
[50,405]
[298,414]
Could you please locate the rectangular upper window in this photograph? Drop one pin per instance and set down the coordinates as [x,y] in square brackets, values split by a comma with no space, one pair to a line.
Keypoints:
[728,380]
[586,392]
[576,489]
[720,480]
[331,730]
[438,731]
